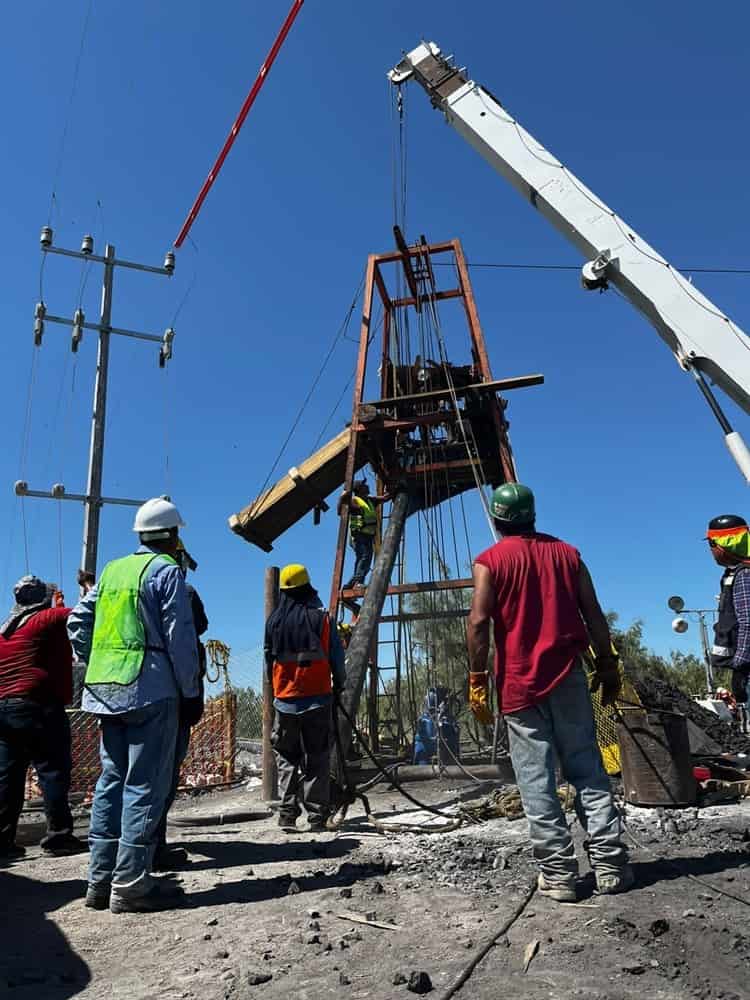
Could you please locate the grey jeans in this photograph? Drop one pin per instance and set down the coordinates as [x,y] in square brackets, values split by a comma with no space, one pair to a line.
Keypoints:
[561,728]
[301,743]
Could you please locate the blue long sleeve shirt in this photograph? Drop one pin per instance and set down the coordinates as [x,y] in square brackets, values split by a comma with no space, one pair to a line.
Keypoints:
[164,608]
[741,601]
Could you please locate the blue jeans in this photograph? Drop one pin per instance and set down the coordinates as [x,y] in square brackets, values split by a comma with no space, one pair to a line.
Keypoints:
[363,546]
[561,728]
[181,749]
[137,753]
[33,733]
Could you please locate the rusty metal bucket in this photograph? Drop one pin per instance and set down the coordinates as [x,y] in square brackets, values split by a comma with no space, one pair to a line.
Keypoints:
[655,758]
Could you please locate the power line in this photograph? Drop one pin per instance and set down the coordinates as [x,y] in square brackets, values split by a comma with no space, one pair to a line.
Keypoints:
[503,265]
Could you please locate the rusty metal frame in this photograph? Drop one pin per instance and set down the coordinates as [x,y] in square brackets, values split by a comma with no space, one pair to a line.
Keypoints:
[413,260]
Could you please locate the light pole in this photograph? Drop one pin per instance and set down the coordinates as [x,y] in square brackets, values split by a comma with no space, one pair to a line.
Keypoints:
[680,625]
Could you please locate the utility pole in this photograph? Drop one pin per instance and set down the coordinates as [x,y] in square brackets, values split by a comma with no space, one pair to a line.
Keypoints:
[92,499]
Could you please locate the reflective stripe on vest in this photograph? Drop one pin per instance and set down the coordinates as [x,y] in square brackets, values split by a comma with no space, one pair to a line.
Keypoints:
[305,673]
[364,520]
[118,647]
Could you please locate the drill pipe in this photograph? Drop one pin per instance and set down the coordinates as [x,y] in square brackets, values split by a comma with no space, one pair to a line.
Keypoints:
[365,634]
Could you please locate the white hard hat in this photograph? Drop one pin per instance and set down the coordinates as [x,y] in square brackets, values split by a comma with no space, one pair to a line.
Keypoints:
[157,515]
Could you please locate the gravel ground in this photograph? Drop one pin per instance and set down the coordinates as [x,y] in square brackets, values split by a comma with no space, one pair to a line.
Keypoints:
[262,915]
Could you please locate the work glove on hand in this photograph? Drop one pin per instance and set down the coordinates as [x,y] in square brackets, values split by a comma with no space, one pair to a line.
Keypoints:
[191,710]
[479,697]
[607,677]
[739,686]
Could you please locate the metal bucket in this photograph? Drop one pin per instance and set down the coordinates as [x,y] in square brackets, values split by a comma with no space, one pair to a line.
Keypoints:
[655,758]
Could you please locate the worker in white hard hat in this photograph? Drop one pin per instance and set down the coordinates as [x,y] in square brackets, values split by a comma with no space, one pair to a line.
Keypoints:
[134,630]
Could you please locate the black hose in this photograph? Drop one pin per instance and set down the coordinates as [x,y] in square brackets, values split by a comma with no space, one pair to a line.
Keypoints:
[390,777]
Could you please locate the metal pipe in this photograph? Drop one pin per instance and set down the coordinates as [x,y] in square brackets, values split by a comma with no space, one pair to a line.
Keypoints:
[358,653]
[270,774]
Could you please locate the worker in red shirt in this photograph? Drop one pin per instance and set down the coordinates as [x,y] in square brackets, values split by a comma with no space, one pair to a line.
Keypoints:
[539,594]
[35,686]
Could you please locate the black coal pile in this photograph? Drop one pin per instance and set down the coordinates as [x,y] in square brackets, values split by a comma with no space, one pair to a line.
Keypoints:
[660,695]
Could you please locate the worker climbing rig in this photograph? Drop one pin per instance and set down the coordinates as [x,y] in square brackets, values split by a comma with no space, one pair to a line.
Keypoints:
[436,430]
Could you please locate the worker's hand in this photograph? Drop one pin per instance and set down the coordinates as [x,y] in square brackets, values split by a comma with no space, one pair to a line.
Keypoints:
[479,697]
[191,710]
[607,677]
[739,686]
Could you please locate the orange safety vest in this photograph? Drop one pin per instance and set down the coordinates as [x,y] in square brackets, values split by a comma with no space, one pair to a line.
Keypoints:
[305,673]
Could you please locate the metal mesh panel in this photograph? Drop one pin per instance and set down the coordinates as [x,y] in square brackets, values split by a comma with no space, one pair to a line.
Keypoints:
[224,746]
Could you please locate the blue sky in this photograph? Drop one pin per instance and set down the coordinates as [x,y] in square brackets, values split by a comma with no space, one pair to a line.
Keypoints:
[648,108]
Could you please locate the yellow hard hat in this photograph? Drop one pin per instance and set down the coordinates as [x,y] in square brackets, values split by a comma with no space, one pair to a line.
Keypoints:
[293,575]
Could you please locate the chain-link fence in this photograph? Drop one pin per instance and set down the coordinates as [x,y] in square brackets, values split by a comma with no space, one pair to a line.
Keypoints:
[225,745]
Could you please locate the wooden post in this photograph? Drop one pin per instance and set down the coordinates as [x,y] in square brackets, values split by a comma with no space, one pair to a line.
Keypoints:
[270,775]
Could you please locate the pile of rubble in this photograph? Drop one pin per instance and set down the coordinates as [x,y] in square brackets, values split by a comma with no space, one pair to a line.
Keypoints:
[659,694]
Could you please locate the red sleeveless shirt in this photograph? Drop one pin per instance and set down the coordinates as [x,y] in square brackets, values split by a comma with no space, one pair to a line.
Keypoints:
[539,632]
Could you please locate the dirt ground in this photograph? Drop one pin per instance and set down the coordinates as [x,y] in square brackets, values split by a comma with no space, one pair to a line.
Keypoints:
[261,916]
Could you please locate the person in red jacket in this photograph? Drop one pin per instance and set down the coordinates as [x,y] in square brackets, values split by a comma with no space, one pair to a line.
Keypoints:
[35,685]
[538,592]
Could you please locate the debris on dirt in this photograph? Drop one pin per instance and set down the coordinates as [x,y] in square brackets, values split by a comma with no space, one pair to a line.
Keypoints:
[659,926]
[368,919]
[344,980]
[254,978]
[419,982]
[294,889]
[529,952]
[634,970]
[399,979]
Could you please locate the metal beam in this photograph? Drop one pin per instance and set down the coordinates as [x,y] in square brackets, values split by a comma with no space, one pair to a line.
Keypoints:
[424,616]
[464,583]
[497,385]
[408,269]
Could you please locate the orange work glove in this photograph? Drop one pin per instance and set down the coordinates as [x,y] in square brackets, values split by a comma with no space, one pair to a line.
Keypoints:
[607,677]
[479,697]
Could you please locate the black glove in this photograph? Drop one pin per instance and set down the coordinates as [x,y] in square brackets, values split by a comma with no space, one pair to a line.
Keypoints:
[191,710]
[739,685]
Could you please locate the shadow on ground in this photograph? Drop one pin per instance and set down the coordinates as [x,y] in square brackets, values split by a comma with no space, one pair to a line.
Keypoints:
[662,870]
[254,890]
[35,953]
[232,853]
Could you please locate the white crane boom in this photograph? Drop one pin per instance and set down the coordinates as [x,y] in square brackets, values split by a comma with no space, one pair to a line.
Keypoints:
[702,338]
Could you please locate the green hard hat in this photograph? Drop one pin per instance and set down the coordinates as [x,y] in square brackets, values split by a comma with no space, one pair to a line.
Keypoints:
[513,503]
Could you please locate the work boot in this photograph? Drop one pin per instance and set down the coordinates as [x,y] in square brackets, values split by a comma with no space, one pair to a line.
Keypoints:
[287,822]
[158,897]
[609,883]
[563,891]
[168,857]
[317,824]
[62,845]
[97,895]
